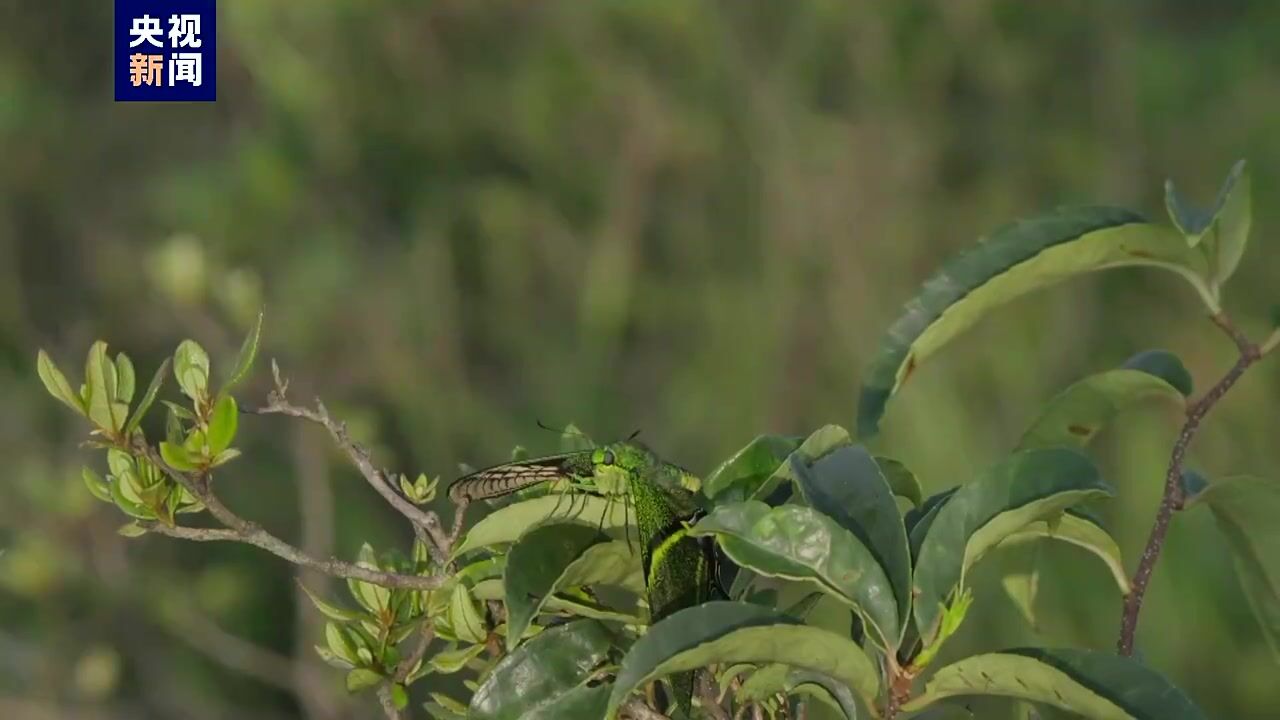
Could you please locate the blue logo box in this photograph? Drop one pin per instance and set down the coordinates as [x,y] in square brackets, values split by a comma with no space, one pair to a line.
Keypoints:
[166,50]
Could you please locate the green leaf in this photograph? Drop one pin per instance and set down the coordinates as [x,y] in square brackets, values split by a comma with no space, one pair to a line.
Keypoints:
[1074,416]
[572,439]
[542,671]
[224,457]
[1093,684]
[615,563]
[177,457]
[536,566]
[464,618]
[585,702]
[222,424]
[361,679]
[1224,227]
[835,694]
[340,644]
[56,383]
[191,368]
[1246,509]
[399,696]
[848,486]
[1027,486]
[131,530]
[800,543]
[97,486]
[1164,365]
[1017,259]
[244,360]
[822,441]
[125,378]
[451,661]
[1082,533]
[752,464]
[735,632]
[901,480]
[100,379]
[331,611]
[148,397]
[508,523]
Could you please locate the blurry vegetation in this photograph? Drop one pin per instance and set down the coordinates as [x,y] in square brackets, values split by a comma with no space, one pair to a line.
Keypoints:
[692,218]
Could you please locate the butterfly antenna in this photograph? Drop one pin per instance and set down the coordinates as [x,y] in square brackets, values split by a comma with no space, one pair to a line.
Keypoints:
[633,435]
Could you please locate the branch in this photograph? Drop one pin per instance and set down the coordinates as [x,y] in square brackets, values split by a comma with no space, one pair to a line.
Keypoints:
[360,457]
[636,709]
[388,703]
[237,529]
[1173,497]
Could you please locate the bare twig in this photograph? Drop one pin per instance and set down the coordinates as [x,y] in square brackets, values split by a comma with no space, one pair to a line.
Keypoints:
[277,404]
[237,529]
[388,702]
[419,652]
[1173,499]
[254,535]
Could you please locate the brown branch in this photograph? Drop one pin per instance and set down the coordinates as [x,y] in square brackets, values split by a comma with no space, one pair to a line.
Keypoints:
[388,702]
[237,529]
[419,652]
[360,457]
[254,535]
[1172,500]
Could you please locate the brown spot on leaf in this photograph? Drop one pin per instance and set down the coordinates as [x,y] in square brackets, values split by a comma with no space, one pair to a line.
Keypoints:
[1142,254]
[911,367]
[1082,430]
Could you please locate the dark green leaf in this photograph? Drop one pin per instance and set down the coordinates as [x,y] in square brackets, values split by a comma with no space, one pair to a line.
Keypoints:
[1014,260]
[735,632]
[752,464]
[1223,227]
[1164,365]
[585,702]
[1247,511]
[801,543]
[536,566]
[1092,684]
[901,480]
[542,671]
[820,442]
[1028,486]
[244,360]
[148,397]
[848,486]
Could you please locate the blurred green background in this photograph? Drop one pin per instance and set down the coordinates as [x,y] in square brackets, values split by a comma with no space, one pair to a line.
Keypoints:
[690,218]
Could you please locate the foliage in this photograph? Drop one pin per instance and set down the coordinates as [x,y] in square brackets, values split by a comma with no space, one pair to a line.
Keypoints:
[546,606]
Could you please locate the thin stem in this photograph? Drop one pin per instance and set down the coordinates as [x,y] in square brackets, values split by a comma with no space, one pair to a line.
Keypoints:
[1173,499]
[237,529]
[388,702]
[362,460]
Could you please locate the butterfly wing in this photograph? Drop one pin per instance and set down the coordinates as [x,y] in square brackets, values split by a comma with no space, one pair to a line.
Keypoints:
[505,479]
